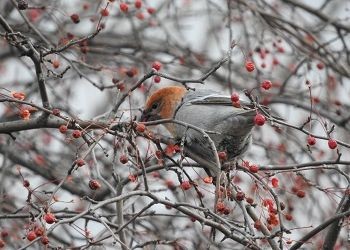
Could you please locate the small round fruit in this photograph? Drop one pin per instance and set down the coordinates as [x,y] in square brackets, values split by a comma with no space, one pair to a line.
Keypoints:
[300,193]
[332,144]
[185,185]
[266,84]
[222,155]
[249,65]
[63,129]
[31,235]
[76,133]
[259,119]
[156,65]
[140,127]
[50,218]
[94,184]
[123,159]
[80,162]
[311,140]
[253,168]
[240,196]
[157,79]
[124,7]
[75,18]
[45,240]
[235,97]
[39,231]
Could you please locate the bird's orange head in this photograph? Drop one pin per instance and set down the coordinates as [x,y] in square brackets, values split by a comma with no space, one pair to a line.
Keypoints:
[162,103]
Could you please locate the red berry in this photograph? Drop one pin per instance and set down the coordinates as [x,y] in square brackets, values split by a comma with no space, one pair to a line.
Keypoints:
[4,234]
[123,159]
[121,86]
[94,184]
[26,183]
[220,207]
[138,4]
[39,231]
[2,243]
[227,211]
[311,140]
[132,177]
[274,182]
[170,184]
[332,144]
[56,63]
[185,185]
[208,179]
[63,129]
[45,240]
[156,174]
[104,12]
[254,168]
[300,193]
[240,196]
[235,97]
[288,217]
[320,66]
[140,15]
[156,65]
[25,114]
[140,127]
[130,73]
[236,104]
[151,10]
[249,200]
[280,49]
[124,7]
[257,225]
[75,18]
[19,95]
[159,154]
[266,84]
[259,119]
[249,65]
[157,79]
[222,155]
[56,112]
[80,162]
[31,235]
[50,218]
[76,134]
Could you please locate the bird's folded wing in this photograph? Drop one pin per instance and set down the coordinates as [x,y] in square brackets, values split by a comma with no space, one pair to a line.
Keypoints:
[216,99]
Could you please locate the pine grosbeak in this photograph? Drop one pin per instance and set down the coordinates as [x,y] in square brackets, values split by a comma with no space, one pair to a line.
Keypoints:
[229,127]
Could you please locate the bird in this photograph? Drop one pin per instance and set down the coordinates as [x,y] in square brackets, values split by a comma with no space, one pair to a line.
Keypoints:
[204,110]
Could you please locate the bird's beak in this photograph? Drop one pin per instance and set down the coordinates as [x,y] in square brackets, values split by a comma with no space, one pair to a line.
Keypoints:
[148,116]
[145,116]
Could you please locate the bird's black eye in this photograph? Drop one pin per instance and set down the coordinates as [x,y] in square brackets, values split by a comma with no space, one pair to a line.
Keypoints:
[155,105]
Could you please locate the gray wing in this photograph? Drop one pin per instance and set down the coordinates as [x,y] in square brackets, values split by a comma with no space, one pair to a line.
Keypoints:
[213,112]
[207,97]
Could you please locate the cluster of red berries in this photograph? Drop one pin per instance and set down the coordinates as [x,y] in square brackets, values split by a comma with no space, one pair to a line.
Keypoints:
[235,100]
[222,208]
